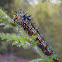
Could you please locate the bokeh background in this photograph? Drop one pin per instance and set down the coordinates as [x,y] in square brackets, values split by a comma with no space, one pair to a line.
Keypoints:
[47,16]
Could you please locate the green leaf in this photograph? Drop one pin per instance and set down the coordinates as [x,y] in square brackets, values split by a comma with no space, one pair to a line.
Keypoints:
[6,26]
[26,45]
[34,37]
[14,43]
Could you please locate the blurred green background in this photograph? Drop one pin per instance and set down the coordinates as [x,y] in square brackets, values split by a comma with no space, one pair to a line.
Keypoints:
[47,16]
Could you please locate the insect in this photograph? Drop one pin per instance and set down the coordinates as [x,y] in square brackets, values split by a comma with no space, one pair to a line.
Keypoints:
[24,20]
